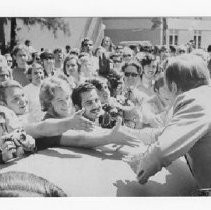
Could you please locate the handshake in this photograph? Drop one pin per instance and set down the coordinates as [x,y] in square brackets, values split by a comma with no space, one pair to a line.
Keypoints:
[16,144]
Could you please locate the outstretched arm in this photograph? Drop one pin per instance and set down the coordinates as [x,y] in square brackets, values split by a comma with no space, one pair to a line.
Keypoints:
[189,123]
[98,137]
[55,127]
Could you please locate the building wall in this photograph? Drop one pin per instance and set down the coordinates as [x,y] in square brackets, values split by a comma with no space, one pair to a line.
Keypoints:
[118,35]
[131,29]
[187,27]
[206,39]
[184,36]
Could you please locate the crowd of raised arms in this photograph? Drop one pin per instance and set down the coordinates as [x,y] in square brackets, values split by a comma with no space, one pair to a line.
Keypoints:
[93,97]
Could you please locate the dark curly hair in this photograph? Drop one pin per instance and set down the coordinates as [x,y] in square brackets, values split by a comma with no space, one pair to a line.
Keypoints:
[135,64]
[82,88]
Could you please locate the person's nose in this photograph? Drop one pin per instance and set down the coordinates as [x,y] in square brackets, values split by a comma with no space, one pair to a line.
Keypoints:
[66,103]
[22,101]
[95,105]
[39,75]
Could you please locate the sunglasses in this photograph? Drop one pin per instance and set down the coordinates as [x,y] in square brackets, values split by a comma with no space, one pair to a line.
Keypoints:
[127,74]
[88,44]
[117,61]
[127,55]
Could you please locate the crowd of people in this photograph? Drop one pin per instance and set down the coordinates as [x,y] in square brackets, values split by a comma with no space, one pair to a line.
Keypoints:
[155,96]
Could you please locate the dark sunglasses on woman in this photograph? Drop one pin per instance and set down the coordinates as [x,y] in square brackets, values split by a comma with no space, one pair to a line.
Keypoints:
[127,74]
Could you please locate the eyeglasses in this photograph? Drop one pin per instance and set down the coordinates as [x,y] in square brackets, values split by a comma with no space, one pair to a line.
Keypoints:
[127,74]
[9,61]
[127,55]
[115,61]
[88,45]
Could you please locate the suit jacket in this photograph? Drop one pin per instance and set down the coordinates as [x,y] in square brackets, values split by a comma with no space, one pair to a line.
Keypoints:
[187,133]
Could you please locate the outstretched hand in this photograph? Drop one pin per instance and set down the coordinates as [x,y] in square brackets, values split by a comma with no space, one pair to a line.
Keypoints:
[79,122]
[120,136]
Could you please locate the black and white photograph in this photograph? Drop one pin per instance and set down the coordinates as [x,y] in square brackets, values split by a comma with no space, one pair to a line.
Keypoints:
[105,106]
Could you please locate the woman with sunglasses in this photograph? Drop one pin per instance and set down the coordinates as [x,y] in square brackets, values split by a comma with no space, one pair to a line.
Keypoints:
[132,74]
[132,78]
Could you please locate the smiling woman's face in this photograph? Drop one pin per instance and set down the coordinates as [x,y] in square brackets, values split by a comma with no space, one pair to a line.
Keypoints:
[150,70]
[61,102]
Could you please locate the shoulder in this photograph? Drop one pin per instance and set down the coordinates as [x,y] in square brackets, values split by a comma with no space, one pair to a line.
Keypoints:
[195,100]
[11,119]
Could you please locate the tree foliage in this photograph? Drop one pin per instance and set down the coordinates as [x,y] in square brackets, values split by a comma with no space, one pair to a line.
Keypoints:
[53,24]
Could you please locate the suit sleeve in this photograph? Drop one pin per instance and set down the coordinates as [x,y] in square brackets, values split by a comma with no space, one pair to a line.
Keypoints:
[188,124]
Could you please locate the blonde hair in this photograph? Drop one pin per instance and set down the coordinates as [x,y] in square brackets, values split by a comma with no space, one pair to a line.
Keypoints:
[47,90]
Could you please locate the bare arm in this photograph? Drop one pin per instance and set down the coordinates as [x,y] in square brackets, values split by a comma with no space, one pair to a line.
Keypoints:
[98,137]
[49,127]
[85,139]
[55,127]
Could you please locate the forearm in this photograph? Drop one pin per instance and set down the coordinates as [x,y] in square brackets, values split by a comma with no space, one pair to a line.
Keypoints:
[146,136]
[49,127]
[84,139]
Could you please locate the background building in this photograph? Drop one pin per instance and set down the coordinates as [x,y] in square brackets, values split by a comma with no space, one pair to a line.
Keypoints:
[177,30]
[158,30]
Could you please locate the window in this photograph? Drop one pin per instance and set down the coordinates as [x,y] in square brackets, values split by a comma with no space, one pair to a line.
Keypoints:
[170,40]
[175,39]
[199,41]
[197,38]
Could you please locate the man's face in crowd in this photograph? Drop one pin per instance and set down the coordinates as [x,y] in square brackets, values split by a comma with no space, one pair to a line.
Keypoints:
[119,51]
[21,58]
[117,63]
[91,103]
[72,67]
[9,61]
[88,46]
[106,42]
[16,100]
[48,63]
[61,102]
[104,93]
[58,56]
[4,75]
[127,56]
[37,76]
[132,76]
